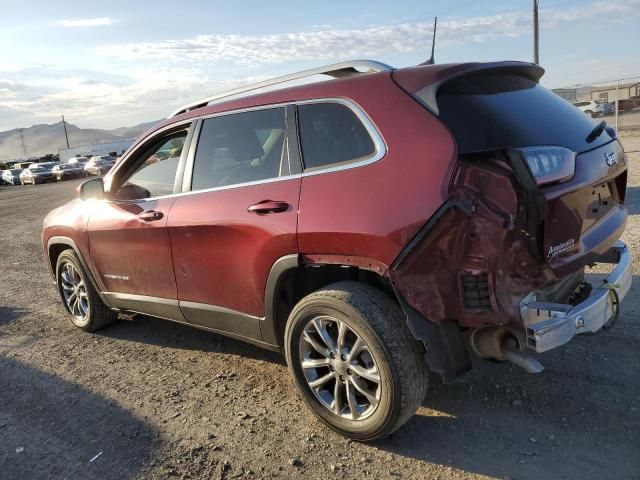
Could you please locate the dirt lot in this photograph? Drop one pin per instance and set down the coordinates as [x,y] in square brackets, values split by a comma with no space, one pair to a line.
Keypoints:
[150,399]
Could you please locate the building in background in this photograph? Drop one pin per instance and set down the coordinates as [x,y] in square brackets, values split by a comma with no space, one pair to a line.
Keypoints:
[611,93]
[116,148]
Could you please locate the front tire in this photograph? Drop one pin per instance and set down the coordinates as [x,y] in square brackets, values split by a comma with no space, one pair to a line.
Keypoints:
[355,361]
[81,301]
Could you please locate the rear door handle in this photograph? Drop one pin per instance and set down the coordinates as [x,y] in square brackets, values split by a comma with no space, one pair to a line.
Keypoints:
[151,216]
[268,206]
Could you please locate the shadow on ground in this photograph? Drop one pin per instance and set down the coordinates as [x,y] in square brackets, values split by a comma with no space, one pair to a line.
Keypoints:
[564,423]
[51,428]
[11,314]
[632,200]
[163,333]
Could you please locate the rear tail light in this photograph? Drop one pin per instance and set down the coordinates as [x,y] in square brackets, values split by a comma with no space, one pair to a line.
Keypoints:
[549,164]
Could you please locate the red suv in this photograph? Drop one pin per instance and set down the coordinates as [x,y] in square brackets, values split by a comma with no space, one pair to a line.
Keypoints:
[377,228]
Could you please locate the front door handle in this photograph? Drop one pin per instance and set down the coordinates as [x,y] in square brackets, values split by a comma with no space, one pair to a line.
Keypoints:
[268,206]
[151,216]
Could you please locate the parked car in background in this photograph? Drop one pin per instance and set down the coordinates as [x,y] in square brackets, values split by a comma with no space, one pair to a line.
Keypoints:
[595,108]
[45,165]
[99,165]
[11,176]
[375,244]
[81,160]
[65,171]
[35,175]
[628,104]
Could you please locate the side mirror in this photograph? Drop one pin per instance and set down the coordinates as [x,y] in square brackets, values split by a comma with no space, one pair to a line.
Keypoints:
[91,189]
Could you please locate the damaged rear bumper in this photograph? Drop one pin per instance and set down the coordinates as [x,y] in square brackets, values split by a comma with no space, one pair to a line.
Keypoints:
[549,325]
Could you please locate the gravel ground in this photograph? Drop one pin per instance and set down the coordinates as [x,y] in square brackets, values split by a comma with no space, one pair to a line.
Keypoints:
[151,399]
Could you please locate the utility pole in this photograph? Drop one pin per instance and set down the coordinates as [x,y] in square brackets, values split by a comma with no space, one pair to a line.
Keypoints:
[24,146]
[64,125]
[536,34]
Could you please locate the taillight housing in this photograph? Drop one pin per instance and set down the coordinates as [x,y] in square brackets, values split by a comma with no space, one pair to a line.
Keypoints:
[549,164]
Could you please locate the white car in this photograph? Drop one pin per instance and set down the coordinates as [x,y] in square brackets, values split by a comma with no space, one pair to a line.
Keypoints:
[595,108]
[35,175]
[11,176]
[99,165]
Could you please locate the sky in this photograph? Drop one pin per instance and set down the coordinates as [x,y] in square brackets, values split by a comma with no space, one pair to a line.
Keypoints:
[119,63]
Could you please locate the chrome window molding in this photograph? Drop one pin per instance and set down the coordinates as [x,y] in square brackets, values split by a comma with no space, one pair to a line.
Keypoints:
[379,152]
[140,147]
[380,147]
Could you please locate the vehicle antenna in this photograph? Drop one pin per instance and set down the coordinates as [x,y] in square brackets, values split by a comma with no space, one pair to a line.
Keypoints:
[431,60]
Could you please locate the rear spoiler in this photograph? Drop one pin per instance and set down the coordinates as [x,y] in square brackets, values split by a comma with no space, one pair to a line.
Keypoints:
[424,81]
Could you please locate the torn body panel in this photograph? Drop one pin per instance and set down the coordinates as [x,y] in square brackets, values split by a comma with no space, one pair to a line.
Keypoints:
[473,263]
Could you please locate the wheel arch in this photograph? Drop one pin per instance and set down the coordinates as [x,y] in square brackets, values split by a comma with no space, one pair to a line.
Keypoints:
[294,276]
[58,244]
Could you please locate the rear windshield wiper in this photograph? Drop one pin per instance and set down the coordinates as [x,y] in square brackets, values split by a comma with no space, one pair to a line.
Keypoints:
[596,132]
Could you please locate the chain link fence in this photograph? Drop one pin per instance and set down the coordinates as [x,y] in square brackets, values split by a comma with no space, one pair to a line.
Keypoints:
[617,101]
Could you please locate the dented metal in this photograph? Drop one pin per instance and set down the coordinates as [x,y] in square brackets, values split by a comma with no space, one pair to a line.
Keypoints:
[549,325]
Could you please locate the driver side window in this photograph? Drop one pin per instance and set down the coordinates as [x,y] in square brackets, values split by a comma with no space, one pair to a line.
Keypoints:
[156,172]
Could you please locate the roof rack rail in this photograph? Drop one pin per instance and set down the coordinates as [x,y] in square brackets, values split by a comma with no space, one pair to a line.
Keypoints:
[335,70]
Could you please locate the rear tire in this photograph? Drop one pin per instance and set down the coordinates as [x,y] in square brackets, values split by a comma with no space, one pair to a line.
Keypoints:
[80,300]
[363,383]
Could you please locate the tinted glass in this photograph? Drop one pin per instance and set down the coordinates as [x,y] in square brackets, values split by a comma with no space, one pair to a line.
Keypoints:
[330,133]
[239,148]
[494,111]
[157,174]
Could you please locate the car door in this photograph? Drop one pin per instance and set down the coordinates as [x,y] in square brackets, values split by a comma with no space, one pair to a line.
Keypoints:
[238,218]
[128,238]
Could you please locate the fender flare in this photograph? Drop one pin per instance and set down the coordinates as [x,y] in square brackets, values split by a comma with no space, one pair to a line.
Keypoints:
[268,328]
[69,242]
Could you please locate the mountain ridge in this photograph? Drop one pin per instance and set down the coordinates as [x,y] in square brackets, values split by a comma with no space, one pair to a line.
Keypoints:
[44,138]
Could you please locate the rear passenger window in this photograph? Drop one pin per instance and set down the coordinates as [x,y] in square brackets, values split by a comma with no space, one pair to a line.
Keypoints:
[330,134]
[240,148]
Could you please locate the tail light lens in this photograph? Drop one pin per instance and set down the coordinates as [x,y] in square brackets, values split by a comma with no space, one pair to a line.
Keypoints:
[549,164]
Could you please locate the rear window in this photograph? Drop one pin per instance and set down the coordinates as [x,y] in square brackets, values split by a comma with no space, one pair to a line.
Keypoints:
[490,111]
[332,134]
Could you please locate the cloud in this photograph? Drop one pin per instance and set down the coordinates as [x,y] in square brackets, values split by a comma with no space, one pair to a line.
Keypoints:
[144,94]
[373,40]
[134,82]
[86,22]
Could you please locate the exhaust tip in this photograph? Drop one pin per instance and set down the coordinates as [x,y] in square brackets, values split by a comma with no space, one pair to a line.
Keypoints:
[515,356]
[498,343]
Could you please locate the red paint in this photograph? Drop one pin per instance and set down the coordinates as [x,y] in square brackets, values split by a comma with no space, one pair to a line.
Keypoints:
[222,253]
[122,244]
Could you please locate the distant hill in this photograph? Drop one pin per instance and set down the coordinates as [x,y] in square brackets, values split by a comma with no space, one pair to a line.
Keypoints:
[42,139]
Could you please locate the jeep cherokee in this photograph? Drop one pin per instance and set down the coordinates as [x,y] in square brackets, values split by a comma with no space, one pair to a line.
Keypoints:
[378,228]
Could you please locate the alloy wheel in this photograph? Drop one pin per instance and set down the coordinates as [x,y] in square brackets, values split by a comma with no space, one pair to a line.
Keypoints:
[74,291]
[339,368]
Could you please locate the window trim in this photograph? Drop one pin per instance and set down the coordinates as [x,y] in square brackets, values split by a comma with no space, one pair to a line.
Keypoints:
[124,166]
[378,141]
[379,147]
[193,147]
